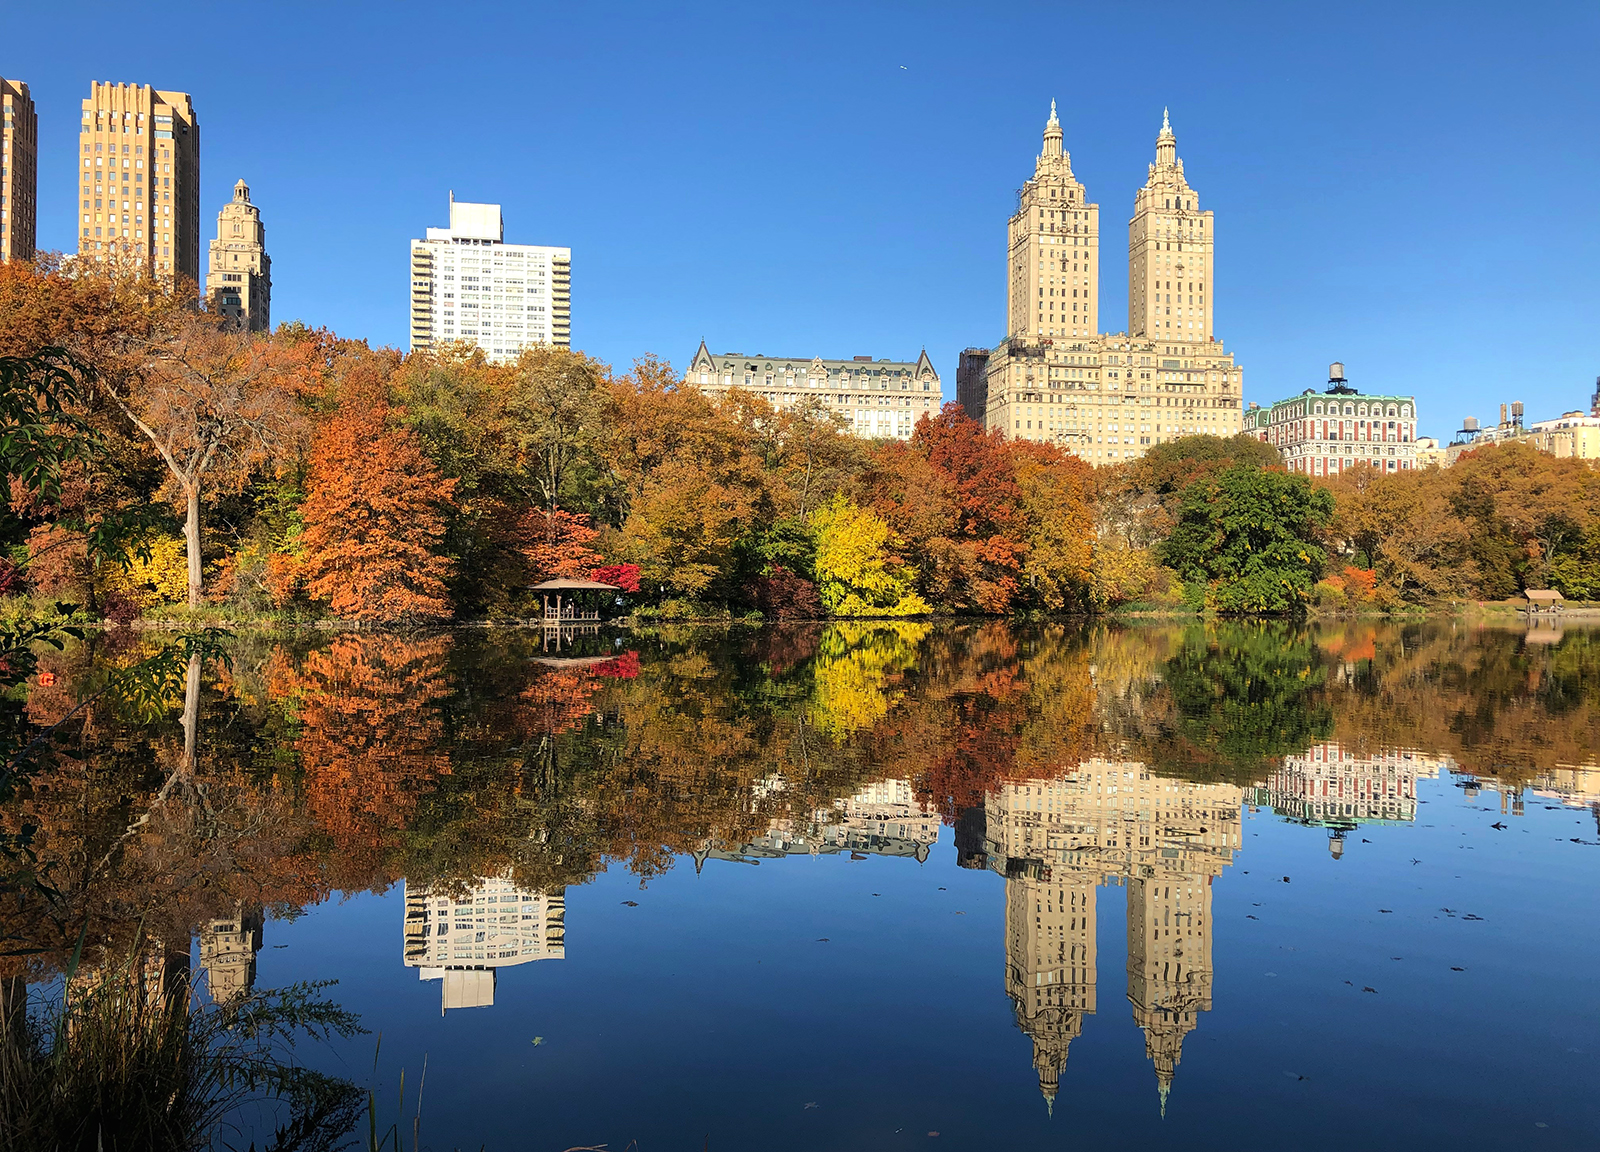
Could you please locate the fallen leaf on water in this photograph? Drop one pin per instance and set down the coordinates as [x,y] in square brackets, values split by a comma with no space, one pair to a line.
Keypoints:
[1294,1075]
[538,1040]
[1385,909]
[1453,968]
[631,903]
[811,1104]
[1247,916]
[822,939]
[932,1133]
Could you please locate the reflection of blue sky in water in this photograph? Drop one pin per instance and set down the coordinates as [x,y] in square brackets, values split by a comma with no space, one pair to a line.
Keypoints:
[890,992]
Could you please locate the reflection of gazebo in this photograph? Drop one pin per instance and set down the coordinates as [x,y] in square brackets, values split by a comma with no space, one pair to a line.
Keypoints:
[573,610]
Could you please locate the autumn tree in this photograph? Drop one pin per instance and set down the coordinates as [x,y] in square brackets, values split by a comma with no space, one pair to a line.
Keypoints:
[374,519]
[1053,490]
[215,406]
[858,573]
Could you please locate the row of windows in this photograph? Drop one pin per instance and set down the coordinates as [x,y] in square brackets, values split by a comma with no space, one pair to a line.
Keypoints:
[1298,411]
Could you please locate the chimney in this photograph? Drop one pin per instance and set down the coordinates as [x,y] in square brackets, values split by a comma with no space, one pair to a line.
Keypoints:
[1503,420]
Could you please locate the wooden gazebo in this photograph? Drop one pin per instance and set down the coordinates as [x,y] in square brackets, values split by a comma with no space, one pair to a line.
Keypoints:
[568,590]
[1544,600]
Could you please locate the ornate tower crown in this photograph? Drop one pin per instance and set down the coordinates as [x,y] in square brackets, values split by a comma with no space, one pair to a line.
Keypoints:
[1166,144]
[1052,138]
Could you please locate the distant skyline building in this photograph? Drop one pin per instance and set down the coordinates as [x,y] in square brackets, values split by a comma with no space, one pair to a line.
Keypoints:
[875,399]
[970,371]
[463,940]
[1326,433]
[882,819]
[19,172]
[1333,787]
[1108,398]
[239,282]
[1575,433]
[468,286]
[138,182]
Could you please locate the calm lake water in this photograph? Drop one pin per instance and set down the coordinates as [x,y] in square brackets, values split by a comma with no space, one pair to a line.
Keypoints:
[879,886]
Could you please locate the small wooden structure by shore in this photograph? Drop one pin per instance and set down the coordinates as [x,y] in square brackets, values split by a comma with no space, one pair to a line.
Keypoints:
[568,607]
[1544,600]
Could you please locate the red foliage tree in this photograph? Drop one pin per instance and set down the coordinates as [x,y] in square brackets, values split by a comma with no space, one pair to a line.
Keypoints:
[624,576]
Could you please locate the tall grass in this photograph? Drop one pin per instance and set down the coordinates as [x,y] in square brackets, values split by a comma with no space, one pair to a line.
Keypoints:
[122,1061]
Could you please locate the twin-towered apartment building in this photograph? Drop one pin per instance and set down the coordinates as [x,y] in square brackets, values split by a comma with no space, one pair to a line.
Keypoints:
[1055,377]
[136,195]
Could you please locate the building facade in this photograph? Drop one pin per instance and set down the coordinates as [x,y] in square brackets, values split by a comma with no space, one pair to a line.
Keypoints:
[1109,398]
[1326,433]
[462,939]
[239,282]
[1334,787]
[468,286]
[970,371]
[877,399]
[228,948]
[138,184]
[19,171]
[1573,434]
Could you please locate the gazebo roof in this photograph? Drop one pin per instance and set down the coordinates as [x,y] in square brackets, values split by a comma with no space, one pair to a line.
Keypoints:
[1543,595]
[562,584]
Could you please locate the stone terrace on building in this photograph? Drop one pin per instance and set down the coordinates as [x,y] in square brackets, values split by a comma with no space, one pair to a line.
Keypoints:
[878,399]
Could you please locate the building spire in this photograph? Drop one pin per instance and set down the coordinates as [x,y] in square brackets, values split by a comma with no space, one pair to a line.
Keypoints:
[1052,133]
[1166,144]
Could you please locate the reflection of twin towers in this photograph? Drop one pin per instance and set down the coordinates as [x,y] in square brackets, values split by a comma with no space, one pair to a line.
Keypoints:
[1056,842]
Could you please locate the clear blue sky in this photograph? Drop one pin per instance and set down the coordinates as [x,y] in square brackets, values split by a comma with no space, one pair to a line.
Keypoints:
[1411,188]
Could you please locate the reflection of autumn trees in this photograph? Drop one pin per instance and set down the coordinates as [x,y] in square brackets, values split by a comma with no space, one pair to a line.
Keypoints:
[349,762]
[370,741]
[1499,704]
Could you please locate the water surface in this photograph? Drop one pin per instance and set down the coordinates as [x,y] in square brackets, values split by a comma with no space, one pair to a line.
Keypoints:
[879,886]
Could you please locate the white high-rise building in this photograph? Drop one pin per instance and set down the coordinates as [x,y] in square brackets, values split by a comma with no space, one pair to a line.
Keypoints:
[469,286]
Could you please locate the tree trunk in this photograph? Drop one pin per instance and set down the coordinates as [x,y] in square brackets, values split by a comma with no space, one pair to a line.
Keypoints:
[191,540]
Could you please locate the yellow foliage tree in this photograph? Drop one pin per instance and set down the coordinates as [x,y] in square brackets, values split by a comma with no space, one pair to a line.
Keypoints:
[162,579]
[857,573]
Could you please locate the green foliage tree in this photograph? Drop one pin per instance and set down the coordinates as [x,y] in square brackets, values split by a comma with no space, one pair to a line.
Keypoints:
[1246,538]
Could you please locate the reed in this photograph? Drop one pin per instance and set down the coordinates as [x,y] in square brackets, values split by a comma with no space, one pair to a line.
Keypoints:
[121,1060]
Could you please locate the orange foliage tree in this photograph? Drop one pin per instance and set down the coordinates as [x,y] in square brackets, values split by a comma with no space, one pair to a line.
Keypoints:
[373,519]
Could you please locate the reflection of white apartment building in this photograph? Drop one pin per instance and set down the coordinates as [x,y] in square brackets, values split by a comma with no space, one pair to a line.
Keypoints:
[463,939]
[1330,786]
